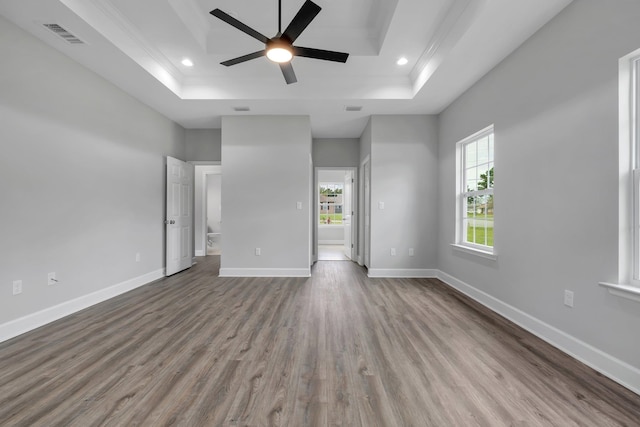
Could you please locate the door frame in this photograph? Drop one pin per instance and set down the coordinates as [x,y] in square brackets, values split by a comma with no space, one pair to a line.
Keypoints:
[354,207]
[364,241]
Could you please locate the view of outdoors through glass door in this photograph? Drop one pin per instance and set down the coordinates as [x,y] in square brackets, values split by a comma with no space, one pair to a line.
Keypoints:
[334,207]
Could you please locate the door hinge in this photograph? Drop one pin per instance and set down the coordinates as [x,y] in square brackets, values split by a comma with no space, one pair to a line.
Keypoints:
[352,246]
[352,180]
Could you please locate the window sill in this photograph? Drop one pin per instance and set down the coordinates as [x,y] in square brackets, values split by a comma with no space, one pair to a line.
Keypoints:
[623,291]
[476,252]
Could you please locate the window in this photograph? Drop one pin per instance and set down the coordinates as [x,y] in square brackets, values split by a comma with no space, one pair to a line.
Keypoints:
[627,284]
[330,197]
[475,199]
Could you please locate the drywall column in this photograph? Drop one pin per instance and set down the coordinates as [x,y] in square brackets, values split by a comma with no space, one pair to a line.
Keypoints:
[404,176]
[266,191]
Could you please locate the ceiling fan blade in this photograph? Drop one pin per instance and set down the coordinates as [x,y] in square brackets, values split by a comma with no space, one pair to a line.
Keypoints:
[244,58]
[327,55]
[287,72]
[305,15]
[239,25]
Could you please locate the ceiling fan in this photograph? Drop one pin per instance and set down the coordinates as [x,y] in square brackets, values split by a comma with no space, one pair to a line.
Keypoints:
[280,48]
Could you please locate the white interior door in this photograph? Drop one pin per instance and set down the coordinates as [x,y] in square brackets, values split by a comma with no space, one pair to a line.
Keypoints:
[347,211]
[179,216]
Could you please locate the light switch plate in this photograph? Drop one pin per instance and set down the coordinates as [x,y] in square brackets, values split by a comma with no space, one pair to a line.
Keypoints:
[568,298]
[17,287]
[380,205]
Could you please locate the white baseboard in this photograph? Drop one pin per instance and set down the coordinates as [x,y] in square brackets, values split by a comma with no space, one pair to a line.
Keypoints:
[331,242]
[265,272]
[200,252]
[407,273]
[611,367]
[32,321]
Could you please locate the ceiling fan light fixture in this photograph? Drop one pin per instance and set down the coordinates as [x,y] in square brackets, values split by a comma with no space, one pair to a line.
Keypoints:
[280,48]
[279,53]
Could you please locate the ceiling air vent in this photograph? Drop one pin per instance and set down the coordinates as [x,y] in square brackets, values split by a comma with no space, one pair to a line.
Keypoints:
[63,34]
[353,108]
[241,109]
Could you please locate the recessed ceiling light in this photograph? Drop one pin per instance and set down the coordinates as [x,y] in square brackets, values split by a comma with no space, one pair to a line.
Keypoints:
[187,62]
[402,61]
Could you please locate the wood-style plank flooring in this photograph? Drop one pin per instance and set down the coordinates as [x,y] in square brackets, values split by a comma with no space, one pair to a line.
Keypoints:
[337,349]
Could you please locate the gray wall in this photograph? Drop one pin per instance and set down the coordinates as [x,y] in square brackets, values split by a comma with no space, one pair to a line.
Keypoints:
[554,103]
[404,175]
[203,144]
[343,153]
[267,171]
[83,185]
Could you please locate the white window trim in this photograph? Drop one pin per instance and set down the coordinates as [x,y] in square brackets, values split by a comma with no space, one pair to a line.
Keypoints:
[460,244]
[627,284]
[319,204]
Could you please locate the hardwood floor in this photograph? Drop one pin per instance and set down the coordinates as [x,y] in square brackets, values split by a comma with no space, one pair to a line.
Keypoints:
[337,349]
[331,253]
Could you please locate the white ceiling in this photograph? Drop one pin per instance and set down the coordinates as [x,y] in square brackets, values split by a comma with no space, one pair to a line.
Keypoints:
[139,46]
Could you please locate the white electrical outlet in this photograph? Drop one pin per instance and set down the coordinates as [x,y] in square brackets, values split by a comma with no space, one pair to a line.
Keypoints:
[258,251]
[51,279]
[17,287]
[393,251]
[568,298]
[411,253]
[299,205]
[137,256]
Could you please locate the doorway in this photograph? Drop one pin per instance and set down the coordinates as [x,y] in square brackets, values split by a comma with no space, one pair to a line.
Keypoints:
[213,214]
[335,214]
[208,210]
